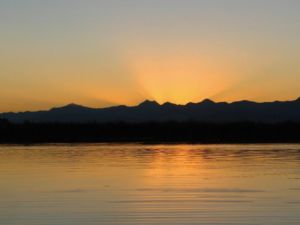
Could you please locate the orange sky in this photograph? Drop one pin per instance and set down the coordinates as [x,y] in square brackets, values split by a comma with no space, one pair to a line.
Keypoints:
[107,53]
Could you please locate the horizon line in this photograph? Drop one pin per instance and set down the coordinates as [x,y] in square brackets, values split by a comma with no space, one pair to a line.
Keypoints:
[153,102]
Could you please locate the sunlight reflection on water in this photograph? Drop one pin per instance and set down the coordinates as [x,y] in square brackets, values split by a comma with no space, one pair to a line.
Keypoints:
[149,184]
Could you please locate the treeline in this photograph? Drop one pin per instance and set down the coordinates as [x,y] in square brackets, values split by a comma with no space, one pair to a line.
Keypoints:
[192,132]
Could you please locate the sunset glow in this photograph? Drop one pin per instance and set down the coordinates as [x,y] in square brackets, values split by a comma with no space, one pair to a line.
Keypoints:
[114,52]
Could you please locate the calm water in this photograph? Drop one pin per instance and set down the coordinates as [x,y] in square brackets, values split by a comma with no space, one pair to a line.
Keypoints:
[149,184]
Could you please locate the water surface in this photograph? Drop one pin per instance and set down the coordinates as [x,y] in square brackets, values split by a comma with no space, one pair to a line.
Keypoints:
[112,184]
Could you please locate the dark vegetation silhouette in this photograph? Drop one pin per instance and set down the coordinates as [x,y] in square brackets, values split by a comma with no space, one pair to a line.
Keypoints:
[150,132]
[204,122]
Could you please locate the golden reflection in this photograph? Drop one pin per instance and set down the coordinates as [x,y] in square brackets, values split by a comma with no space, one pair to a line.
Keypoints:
[156,183]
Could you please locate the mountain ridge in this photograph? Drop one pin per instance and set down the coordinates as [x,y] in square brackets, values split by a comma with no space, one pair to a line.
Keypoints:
[204,111]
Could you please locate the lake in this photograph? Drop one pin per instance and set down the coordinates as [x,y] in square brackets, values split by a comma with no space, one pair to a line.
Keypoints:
[118,184]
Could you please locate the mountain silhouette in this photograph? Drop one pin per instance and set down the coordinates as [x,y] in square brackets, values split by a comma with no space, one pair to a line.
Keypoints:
[147,111]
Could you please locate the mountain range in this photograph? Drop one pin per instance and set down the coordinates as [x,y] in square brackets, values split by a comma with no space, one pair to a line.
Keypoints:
[147,111]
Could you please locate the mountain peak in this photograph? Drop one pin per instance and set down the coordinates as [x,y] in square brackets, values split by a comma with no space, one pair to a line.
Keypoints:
[71,106]
[207,101]
[148,103]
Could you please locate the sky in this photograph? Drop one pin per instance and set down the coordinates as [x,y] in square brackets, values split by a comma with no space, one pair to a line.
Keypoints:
[108,52]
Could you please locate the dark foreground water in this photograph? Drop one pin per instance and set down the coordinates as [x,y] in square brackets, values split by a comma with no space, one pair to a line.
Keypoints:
[150,184]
